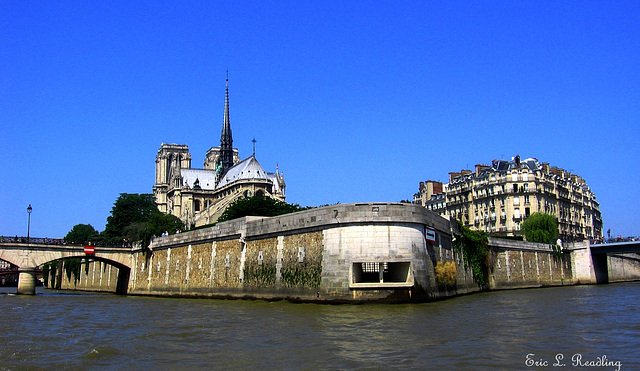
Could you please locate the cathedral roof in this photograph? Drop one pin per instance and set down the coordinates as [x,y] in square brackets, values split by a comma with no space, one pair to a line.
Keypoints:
[206,178]
[247,169]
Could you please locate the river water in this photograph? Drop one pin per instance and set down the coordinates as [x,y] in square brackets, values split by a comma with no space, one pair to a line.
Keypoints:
[532,329]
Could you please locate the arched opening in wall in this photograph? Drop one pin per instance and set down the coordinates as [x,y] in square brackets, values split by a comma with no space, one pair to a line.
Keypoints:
[247,193]
[260,193]
[196,205]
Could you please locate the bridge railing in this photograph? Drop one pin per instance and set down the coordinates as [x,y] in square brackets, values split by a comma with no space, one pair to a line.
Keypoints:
[62,242]
[622,239]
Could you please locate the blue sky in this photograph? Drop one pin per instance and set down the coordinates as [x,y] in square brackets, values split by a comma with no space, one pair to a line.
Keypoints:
[356,101]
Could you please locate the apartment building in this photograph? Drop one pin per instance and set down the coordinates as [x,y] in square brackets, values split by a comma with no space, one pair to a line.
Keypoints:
[497,198]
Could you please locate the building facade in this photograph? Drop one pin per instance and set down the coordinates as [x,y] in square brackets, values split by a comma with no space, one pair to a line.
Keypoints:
[497,198]
[199,196]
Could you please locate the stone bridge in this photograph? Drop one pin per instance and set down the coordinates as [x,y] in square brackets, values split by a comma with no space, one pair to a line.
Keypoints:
[28,256]
[599,253]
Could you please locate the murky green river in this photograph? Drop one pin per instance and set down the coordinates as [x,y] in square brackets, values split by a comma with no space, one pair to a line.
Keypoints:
[567,328]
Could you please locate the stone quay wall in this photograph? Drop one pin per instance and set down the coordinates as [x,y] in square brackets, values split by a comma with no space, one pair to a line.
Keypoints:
[386,252]
[518,264]
[623,267]
[337,253]
[322,254]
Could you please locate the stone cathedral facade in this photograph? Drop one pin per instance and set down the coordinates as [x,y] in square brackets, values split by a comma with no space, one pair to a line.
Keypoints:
[199,196]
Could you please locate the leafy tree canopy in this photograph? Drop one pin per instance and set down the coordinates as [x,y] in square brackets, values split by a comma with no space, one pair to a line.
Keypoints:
[540,227]
[82,233]
[128,209]
[258,206]
[136,217]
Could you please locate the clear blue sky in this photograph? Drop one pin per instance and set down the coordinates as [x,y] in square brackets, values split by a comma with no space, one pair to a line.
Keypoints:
[355,100]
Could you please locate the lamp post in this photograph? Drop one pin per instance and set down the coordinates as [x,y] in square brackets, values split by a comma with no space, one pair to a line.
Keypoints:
[29,210]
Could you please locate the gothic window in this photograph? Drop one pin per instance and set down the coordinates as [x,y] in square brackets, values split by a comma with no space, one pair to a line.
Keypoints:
[196,205]
[168,173]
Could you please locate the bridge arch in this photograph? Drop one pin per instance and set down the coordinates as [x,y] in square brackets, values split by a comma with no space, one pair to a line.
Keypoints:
[56,275]
[28,256]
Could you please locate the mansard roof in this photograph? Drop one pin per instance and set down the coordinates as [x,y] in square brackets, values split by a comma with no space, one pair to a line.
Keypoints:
[504,165]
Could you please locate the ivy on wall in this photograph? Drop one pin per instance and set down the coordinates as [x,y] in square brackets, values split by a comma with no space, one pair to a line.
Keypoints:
[260,276]
[474,246]
[301,275]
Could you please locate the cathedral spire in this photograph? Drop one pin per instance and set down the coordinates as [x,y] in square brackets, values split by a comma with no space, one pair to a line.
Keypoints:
[226,139]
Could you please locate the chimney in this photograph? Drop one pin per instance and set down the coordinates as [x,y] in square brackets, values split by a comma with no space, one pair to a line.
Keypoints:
[480,167]
[545,167]
[433,187]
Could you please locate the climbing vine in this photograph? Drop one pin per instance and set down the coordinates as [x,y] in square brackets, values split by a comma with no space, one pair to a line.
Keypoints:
[260,276]
[301,275]
[474,246]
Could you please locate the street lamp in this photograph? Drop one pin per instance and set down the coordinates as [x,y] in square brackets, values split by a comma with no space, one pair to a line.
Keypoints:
[29,210]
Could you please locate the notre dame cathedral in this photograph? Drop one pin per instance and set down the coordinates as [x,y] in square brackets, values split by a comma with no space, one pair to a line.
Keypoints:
[199,196]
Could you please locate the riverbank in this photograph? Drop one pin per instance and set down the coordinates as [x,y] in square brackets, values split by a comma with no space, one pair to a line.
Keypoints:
[349,253]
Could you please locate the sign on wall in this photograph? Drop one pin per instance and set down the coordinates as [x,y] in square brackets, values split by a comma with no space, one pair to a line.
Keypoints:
[430,234]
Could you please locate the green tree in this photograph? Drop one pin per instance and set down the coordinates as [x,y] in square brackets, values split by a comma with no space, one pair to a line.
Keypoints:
[128,209]
[135,217]
[82,233]
[258,206]
[540,227]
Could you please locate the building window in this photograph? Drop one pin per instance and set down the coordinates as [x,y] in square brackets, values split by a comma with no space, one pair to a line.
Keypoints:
[196,205]
[516,200]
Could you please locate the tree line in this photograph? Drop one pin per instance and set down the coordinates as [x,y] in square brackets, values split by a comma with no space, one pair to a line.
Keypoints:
[136,218]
